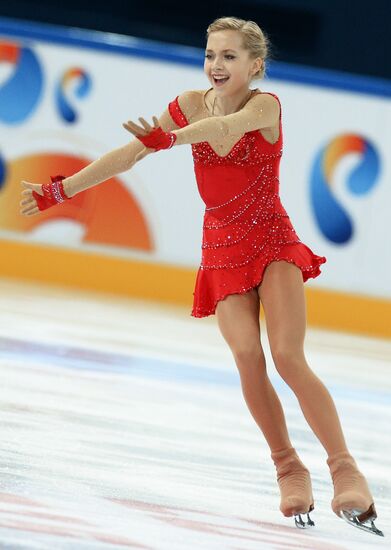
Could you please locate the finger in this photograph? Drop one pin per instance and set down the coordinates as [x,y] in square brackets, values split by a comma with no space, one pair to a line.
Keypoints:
[26,202]
[136,130]
[30,211]
[145,124]
[128,128]
[28,205]
[29,192]
[25,211]
[133,129]
[33,212]
[26,184]
[155,122]
[136,126]
[28,188]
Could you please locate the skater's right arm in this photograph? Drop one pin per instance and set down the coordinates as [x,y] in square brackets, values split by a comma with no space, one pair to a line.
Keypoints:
[108,165]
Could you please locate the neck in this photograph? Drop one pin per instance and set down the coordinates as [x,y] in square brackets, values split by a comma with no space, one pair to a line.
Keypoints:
[228,105]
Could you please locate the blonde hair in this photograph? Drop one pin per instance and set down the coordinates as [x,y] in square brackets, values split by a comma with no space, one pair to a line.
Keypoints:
[254,39]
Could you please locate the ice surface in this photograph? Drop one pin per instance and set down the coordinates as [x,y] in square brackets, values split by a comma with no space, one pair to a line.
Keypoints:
[123,425]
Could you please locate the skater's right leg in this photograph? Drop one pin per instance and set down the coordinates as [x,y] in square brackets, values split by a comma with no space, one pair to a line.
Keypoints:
[238,320]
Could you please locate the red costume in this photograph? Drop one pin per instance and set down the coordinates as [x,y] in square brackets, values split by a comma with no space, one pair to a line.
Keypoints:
[245,225]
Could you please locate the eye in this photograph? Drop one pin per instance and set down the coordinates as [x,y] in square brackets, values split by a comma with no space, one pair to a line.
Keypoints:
[229,56]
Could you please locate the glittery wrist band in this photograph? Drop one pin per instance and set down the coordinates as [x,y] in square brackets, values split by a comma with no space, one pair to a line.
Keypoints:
[55,190]
[173,139]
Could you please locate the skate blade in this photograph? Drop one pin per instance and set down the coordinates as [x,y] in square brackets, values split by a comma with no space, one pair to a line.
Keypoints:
[368,525]
[302,524]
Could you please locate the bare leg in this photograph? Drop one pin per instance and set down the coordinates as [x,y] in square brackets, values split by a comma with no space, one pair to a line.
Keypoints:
[238,319]
[283,299]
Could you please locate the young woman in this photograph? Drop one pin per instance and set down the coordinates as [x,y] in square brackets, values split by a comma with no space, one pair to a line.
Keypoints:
[250,253]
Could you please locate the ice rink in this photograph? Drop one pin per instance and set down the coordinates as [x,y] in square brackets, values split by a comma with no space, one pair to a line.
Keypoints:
[123,425]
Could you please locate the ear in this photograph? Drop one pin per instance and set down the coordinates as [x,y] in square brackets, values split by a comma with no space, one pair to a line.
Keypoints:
[257,65]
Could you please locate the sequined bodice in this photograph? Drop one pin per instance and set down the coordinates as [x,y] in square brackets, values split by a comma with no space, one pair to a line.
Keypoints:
[250,150]
[243,210]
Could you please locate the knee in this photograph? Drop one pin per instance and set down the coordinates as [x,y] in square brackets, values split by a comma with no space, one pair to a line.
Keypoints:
[288,362]
[249,355]
[282,355]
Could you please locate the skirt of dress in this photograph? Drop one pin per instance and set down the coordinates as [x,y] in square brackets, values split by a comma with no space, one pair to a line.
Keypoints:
[213,285]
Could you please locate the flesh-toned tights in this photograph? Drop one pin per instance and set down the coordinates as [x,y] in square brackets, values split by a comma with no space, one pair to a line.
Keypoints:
[282,295]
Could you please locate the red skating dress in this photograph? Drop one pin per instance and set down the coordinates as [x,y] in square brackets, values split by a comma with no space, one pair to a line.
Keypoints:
[245,225]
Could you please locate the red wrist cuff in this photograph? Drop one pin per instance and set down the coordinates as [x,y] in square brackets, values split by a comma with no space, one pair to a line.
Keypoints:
[158,139]
[53,193]
[56,189]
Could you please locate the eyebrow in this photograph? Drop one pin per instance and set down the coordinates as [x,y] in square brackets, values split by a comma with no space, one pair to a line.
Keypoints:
[229,50]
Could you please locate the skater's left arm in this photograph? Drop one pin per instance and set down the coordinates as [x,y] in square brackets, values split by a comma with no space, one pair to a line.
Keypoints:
[261,111]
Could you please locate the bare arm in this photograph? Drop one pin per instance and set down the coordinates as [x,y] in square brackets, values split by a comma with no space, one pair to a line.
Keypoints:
[261,111]
[111,163]
[114,162]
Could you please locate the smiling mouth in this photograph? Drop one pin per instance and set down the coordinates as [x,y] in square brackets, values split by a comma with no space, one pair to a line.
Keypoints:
[220,80]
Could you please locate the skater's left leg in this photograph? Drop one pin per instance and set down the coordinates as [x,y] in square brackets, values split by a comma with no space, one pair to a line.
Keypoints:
[283,301]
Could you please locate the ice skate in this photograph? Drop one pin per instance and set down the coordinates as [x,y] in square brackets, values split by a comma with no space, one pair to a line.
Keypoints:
[295,486]
[352,500]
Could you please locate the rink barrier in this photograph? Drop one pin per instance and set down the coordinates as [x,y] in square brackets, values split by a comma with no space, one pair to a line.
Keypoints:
[174,285]
[168,283]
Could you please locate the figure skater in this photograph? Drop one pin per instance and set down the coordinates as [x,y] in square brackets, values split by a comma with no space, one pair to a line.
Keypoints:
[250,253]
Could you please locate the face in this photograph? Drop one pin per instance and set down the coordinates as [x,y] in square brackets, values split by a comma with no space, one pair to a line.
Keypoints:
[226,57]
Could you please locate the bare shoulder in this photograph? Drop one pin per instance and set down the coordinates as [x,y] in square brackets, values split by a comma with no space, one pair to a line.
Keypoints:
[266,101]
[189,102]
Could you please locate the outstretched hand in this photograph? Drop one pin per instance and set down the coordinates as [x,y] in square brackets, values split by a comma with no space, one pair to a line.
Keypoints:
[152,137]
[40,197]
[143,130]
[29,204]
